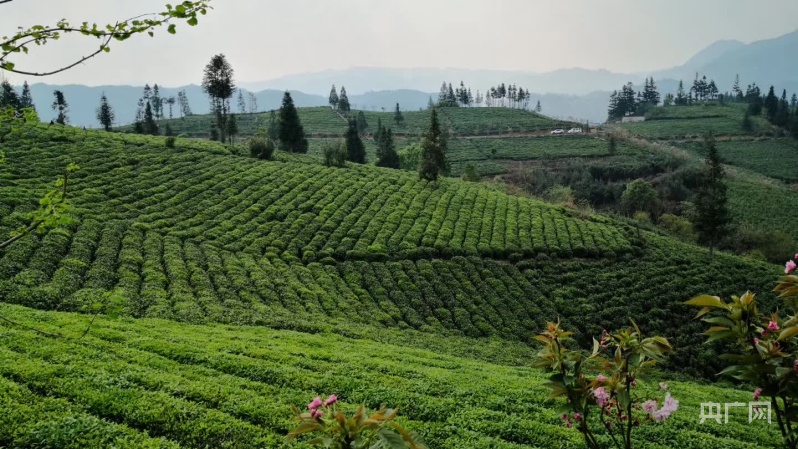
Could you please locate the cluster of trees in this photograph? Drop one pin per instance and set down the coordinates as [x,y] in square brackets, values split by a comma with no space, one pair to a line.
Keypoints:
[149,108]
[10,99]
[509,96]
[629,102]
[249,105]
[502,95]
[339,102]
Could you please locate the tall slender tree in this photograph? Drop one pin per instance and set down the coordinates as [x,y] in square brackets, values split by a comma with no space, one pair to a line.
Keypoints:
[712,222]
[60,104]
[218,84]
[343,101]
[150,126]
[333,99]
[771,104]
[170,101]
[157,102]
[242,104]
[433,151]
[397,116]
[290,131]
[26,98]
[355,150]
[386,151]
[105,113]
[232,128]
[253,103]
[362,124]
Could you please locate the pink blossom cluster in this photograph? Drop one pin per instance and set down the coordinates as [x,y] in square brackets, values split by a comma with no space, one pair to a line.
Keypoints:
[567,418]
[602,397]
[316,405]
[791,266]
[669,406]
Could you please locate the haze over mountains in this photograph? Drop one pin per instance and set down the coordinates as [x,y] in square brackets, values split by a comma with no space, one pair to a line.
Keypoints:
[568,93]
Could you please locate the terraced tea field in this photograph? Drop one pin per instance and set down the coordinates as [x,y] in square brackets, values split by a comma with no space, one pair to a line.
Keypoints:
[775,158]
[158,384]
[678,122]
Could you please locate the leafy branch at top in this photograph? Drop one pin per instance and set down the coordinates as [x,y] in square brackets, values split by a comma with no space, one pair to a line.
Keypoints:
[120,31]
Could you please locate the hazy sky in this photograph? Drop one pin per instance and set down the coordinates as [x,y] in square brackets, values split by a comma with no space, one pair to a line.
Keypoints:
[265,39]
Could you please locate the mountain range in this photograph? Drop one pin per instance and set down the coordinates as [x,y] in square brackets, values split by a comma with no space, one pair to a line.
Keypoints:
[567,93]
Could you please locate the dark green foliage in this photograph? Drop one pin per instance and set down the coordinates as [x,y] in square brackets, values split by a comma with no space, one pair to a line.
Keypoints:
[747,124]
[170,141]
[712,221]
[168,131]
[105,113]
[261,148]
[274,127]
[362,125]
[639,196]
[9,97]
[26,99]
[355,150]
[397,115]
[386,150]
[60,105]
[771,104]
[218,84]
[335,154]
[470,172]
[433,151]
[343,101]
[291,134]
[232,127]
[333,99]
[150,126]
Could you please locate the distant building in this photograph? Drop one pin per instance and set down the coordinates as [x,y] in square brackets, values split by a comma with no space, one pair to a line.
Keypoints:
[633,119]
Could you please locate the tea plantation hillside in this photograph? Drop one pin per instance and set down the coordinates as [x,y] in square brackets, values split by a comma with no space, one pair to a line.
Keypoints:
[199,235]
[159,384]
[325,122]
[678,122]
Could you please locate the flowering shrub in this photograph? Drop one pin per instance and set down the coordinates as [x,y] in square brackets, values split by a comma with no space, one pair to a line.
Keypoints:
[766,346]
[377,431]
[609,400]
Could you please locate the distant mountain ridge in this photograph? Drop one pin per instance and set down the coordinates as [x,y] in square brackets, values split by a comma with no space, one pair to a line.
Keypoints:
[575,93]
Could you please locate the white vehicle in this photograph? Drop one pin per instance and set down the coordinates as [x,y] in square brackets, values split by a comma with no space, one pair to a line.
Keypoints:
[575,131]
[558,131]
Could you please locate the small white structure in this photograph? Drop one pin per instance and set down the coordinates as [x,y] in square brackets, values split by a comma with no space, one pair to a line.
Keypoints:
[632,119]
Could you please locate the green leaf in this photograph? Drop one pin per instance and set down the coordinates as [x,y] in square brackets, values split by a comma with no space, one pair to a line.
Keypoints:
[172,29]
[192,21]
[706,301]
[788,332]
[392,440]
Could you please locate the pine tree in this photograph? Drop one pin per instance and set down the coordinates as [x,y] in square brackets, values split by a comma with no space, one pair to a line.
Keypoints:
[771,104]
[712,222]
[386,151]
[26,98]
[343,101]
[242,104]
[430,104]
[150,126]
[171,102]
[355,150]
[290,131]
[538,109]
[157,104]
[378,133]
[736,91]
[333,100]
[362,125]
[147,93]
[794,101]
[443,94]
[397,116]
[680,99]
[9,97]
[232,128]
[253,103]
[433,151]
[105,113]
[60,105]
[218,84]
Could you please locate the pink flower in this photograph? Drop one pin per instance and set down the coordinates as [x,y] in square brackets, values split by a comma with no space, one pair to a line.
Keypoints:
[796,256]
[602,397]
[650,406]
[773,326]
[331,400]
[568,425]
[663,386]
[316,413]
[757,393]
[601,379]
[314,404]
[577,416]
[765,333]
[668,407]
[790,267]
[795,365]
[564,417]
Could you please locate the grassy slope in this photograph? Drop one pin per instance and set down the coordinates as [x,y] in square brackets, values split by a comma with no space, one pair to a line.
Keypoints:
[150,383]
[677,122]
